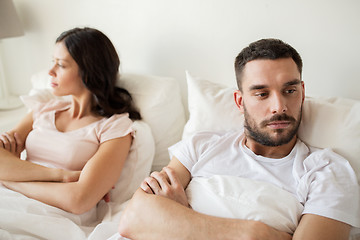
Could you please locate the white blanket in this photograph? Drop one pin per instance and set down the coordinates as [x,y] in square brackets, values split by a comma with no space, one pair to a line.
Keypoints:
[240,198]
[22,218]
[234,197]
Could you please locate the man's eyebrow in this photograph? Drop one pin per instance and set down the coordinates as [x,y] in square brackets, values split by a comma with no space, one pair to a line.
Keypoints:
[257,87]
[293,82]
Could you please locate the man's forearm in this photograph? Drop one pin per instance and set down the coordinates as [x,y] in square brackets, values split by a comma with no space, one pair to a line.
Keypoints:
[315,227]
[153,217]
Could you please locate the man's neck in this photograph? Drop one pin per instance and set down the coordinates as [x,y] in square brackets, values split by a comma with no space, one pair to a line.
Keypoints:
[270,152]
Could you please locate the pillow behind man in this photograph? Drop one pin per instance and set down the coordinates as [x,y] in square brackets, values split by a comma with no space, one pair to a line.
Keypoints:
[326,122]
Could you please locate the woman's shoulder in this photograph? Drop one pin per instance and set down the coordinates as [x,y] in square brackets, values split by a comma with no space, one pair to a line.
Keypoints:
[55,104]
[49,106]
[117,125]
[122,118]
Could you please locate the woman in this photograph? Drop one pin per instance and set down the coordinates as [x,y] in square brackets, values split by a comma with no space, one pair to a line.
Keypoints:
[75,149]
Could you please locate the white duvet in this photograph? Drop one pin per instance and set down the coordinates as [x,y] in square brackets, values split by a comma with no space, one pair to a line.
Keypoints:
[235,197]
[240,198]
[22,218]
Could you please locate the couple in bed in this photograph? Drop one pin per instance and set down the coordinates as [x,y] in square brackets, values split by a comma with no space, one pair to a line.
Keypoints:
[99,119]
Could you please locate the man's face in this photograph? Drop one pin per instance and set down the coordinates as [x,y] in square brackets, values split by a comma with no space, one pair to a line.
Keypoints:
[271,100]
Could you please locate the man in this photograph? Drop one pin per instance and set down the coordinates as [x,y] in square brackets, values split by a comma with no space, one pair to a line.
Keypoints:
[271,95]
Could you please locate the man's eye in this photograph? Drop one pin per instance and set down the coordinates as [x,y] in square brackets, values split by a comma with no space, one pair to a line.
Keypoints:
[289,91]
[261,94]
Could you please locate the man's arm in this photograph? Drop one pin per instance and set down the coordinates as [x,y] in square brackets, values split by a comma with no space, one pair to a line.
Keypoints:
[314,227]
[149,216]
[159,211]
[170,182]
[156,216]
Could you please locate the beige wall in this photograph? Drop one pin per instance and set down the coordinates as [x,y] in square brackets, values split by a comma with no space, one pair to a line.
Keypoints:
[167,37]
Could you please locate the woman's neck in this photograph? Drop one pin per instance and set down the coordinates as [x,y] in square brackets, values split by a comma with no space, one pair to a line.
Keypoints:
[81,107]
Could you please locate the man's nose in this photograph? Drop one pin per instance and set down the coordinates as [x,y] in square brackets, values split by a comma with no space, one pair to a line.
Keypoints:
[278,104]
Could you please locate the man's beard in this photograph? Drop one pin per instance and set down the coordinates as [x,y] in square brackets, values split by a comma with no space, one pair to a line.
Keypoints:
[264,138]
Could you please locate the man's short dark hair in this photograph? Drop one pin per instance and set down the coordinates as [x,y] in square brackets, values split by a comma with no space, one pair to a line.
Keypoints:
[265,49]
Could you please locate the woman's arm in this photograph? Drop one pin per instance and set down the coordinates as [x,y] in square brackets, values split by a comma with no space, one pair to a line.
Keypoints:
[12,168]
[14,140]
[97,178]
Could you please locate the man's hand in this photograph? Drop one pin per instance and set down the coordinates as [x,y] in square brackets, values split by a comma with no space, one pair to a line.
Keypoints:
[152,217]
[12,143]
[166,184]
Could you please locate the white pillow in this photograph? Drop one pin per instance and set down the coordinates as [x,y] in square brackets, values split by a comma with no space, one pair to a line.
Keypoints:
[241,198]
[333,123]
[158,100]
[327,122]
[211,107]
[160,104]
[138,164]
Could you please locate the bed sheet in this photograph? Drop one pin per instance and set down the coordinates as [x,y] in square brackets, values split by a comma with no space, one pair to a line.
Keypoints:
[22,218]
[240,198]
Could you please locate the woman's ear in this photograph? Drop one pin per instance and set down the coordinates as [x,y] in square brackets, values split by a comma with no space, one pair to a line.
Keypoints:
[238,99]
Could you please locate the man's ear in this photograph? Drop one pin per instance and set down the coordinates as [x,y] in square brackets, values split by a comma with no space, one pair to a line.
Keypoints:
[303,91]
[239,100]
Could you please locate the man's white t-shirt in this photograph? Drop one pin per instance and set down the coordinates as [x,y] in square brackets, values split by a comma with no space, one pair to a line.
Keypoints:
[320,179]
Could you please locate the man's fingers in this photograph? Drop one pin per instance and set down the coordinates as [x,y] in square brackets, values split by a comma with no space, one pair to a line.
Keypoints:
[153,184]
[162,179]
[145,187]
[173,179]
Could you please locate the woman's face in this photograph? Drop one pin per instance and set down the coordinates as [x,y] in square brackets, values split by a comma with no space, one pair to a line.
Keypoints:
[65,76]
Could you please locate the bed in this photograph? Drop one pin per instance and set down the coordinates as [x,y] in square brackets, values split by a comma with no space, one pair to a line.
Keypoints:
[327,122]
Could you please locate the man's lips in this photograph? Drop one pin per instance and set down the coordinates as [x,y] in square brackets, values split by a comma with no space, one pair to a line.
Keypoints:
[279,124]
